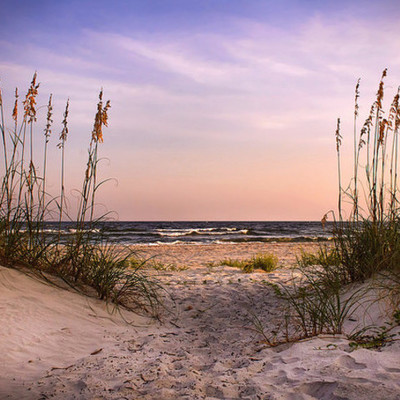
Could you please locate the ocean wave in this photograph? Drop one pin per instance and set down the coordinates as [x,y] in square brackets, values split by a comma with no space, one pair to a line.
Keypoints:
[48,230]
[156,233]
[242,240]
[73,230]
[178,242]
[199,231]
[278,239]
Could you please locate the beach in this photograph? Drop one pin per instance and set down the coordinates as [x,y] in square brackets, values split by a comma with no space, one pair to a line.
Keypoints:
[201,255]
[199,200]
[207,345]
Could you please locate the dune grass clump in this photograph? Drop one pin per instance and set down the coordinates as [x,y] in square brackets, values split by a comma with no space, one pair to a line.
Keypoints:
[316,303]
[368,240]
[117,280]
[83,259]
[366,244]
[266,262]
[325,256]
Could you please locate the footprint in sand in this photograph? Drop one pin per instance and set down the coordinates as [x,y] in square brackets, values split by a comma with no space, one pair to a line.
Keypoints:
[320,390]
[349,362]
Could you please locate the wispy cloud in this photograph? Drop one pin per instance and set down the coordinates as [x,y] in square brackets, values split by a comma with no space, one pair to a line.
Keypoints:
[245,108]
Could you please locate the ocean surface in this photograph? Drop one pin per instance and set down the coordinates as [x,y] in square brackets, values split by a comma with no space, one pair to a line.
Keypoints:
[154,233]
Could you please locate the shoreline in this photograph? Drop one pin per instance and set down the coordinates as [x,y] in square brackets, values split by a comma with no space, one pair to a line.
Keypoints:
[199,255]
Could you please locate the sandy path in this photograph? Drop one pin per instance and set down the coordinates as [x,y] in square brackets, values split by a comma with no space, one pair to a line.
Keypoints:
[204,349]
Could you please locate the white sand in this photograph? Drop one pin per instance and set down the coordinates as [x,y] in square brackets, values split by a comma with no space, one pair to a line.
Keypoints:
[204,349]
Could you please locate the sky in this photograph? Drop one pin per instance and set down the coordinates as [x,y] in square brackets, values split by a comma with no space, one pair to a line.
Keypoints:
[221,109]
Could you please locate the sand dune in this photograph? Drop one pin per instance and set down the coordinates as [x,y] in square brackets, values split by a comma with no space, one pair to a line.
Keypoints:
[59,344]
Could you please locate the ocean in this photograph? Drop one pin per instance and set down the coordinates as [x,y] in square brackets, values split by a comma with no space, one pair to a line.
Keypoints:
[194,232]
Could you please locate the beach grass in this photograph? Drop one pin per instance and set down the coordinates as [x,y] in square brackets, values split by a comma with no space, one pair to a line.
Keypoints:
[166,267]
[83,259]
[266,262]
[366,243]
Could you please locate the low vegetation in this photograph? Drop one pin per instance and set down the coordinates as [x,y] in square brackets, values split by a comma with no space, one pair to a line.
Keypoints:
[82,259]
[366,243]
[159,266]
[266,262]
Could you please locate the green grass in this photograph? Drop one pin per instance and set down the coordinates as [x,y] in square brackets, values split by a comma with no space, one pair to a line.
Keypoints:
[325,256]
[159,266]
[317,302]
[266,262]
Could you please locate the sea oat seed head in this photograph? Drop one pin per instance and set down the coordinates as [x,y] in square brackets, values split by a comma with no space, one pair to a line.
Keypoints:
[32,174]
[338,136]
[49,121]
[15,110]
[397,115]
[366,127]
[323,220]
[361,143]
[380,90]
[357,95]
[393,112]
[382,126]
[30,100]
[100,119]
[64,132]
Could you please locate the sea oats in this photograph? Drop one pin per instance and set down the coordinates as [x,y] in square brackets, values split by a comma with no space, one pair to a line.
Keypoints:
[30,100]
[380,92]
[366,129]
[100,119]
[338,135]
[64,132]
[382,127]
[397,111]
[357,95]
[49,121]
[15,110]
[323,220]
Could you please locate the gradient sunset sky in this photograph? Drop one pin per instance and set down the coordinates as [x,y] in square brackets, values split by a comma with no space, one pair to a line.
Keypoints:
[221,109]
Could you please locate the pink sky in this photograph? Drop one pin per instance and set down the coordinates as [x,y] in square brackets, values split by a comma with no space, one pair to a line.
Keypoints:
[225,111]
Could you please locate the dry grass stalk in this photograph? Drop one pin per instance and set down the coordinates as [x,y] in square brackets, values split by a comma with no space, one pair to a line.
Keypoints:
[61,145]
[82,259]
